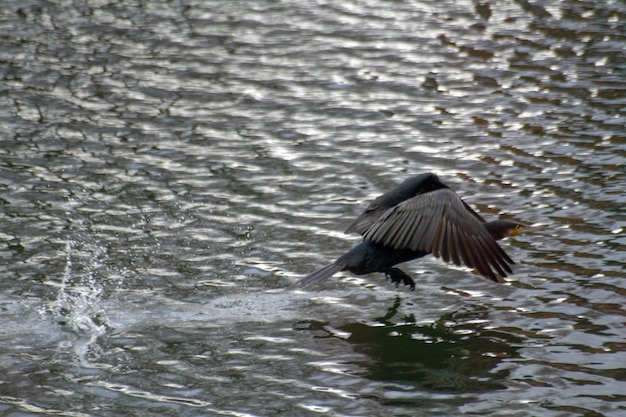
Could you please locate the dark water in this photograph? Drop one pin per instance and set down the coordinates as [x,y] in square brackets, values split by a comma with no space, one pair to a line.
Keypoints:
[169,169]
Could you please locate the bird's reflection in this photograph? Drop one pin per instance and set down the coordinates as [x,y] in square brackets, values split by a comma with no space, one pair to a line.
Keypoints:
[456,353]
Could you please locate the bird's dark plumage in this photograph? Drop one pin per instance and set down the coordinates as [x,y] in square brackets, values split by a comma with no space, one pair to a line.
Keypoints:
[418,217]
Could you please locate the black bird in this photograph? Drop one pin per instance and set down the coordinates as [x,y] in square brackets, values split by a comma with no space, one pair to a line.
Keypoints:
[421,216]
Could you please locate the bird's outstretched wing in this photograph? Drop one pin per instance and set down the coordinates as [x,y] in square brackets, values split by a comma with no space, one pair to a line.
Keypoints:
[441,223]
[409,188]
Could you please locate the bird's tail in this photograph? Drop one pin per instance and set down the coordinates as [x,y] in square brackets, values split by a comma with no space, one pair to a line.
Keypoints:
[321,274]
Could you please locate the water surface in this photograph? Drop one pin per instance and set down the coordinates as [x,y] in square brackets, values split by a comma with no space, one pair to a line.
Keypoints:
[169,169]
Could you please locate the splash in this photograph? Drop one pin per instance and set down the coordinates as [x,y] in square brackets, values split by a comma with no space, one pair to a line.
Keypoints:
[77,305]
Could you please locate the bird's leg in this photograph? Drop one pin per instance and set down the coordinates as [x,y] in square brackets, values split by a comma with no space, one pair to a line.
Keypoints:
[397,275]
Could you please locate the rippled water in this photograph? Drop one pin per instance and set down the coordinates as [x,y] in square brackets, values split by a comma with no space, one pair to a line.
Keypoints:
[169,169]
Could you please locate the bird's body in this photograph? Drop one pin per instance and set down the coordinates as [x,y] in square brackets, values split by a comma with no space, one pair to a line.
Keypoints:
[418,217]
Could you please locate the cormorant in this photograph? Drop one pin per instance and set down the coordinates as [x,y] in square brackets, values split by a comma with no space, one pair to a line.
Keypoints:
[421,216]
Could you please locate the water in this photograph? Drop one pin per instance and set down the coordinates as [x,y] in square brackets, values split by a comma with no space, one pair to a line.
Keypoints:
[169,169]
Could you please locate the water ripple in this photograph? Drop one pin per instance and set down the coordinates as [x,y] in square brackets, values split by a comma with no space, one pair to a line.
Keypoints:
[169,169]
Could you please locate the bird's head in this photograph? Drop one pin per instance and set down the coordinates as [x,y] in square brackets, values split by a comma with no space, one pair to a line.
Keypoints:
[500,229]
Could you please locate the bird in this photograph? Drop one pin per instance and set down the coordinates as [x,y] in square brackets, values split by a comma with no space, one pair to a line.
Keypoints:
[422,216]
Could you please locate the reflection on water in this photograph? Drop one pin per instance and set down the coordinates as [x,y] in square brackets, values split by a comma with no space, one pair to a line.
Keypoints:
[456,353]
[169,169]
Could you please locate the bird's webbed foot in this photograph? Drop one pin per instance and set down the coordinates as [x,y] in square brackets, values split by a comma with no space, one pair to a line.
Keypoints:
[397,276]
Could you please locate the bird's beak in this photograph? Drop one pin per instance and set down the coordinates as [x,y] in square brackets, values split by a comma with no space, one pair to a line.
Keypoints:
[517,230]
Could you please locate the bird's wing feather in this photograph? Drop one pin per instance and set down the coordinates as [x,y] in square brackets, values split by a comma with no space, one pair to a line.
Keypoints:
[409,188]
[441,223]
[366,219]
